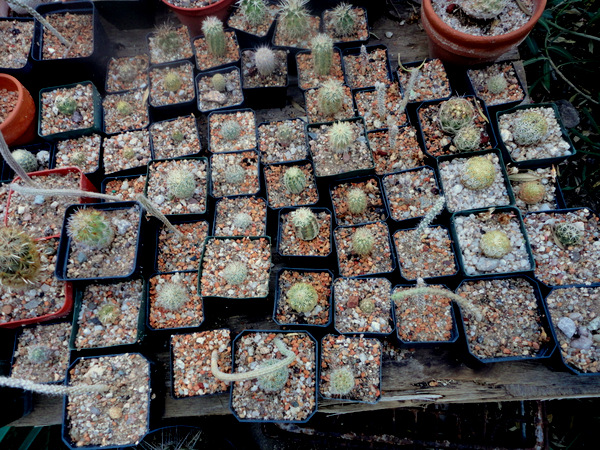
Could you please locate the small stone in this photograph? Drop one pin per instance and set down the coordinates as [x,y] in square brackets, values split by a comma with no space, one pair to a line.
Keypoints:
[6,309]
[388,34]
[594,324]
[39,200]
[568,113]
[583,343]
[567,326]
[81,257]
[215,96]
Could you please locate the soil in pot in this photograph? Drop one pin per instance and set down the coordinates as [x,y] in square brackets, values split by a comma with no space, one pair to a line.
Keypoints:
[260,28]
[127,150]
[174,301]
[174,138]
[126,73]
[232,131]
[68,109]
[42,353]
[535,189]
[496,84]
[362,305]
[219,89]
[283,181]
[330,101]
[236,268]
[125,111]
[381,106]
[77,29]
[291,309]
[169,43]
[127,188]
[366,68]
[174,253]
[284,36]
[308,78]
[396,148]
[17,36]
[358,202]
[411,194]
[351,368]
[293,243]
[241,216]
[282,141]
[367,252]
[83,152]
[109,315]
[234,173]
[264,67]
[575,313]
[431,84]
[334,19]
[172,84]
[206,60]
[191,355]
[561,261]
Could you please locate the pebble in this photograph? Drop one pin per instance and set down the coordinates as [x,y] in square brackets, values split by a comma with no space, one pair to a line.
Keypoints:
[567,326]
[583,343]
[388,34]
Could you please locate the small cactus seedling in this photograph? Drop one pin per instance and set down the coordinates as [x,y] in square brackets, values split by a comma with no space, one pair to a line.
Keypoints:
[39,354]
[235,174]
[218,82]
[253,11]
[216,40]
[26,160]
[305,223]
[341,381]
[172,296]
[495,244]
[265,60]
[532,192]
[172,82]
[455,113]
[242,221]
[531,128]
[478,173]
[344,20]
[567,234]
[467,139]
[363,241]
[78,159]
[181,183]
[66,105]
[177,136]
[273,381]
[285,134]
[294,180]
[127,72]
[496,84]
[124,108]
[90,228]
[167,39]
[341,137]
[330,97]
[109,314]
[302,297]
[483,9]
[356,200]
[235,273]
[19,258]
[367,305]
[231,130]
[128,153]
[293,18]
[321,51]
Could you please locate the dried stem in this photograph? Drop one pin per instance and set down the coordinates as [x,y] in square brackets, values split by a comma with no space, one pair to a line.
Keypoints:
[52,389]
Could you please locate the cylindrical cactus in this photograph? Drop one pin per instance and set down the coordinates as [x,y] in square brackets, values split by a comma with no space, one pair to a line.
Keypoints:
[253,11]
[356,200]
[341,136]
[321,50]
[273,381]
[294,180]
[467,139]
[344,20]
[330,97]
[532,192]
[381,97]
[305,223]
[478,173]
[231,130]
[265,60]
[497,83]
[109,314]
[455,113]
[172,296]
[172,82]
[235,272]
[90,228]
[530,129]
[483,9]
[568,234]
[216,40]
[235,174]
[218,82]
[25,159]
[19,258]
[495,244]
[66,105]
[181,183]
[341,381]
[363,241]
[293,18]
[302,297]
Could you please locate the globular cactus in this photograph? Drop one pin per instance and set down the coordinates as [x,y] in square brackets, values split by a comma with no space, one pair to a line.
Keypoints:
[567,234]
[285,134]
[265,60]
[467,139]
[215,37]
[381,97]
[172,296]
[532,192]
[181,183]
[294,180]
[124,108]
[356,200]
[26,160]
[495,244]
[253,11]
[39,354]
[496,84]
[128,153]
[302,297]
[231,130]
[19,258]
[66,105]
[363,241]
[294,19]
[341,137]
[218,82]
[109,314]
[235,174]
[478,173]
[127,72]
[172,82]
[321,51]
[273,381]
[455,113]
[78,159]
[344,20]
[483,9]
[341,381]
[330,97]
[235,273]
[305,223]
[242,221]
[367,305]
[167,39]
[530,128]
[90,228]
[177,136]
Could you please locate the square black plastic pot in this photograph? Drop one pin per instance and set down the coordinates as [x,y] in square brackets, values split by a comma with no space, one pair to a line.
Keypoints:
[308,181]
[21,73]
[546,350]
[356,51]
[218,66]
[218,195]
[264,151]
[382,210]
[211,73]
[64,246]
[161,112]
[357,92]
[343,44]
[497,106]
[239,197]
[532,163]
[417,65]
[224,113]
[7,174]
[167,123]
[336,50]
[112,73]
[296,260]
[267,96]
[250,40]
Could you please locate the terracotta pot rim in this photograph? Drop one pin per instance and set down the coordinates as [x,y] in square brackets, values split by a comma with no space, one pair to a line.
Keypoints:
[203,9]
[19,88]
[446,30]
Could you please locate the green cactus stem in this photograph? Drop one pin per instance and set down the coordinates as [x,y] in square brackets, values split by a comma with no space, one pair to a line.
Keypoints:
[357,200]
[321,51]
[478,173]
[495,244]
[218,82]
[285,134]
[253,11]
[381,97]
[172,82]
[305,223]
[367,305]
[26,160]
[273,381]
[455,113]
[109,314]
[231,130]
[66,105]
[363,241]
[293,18]
[532,192]
[168,39]
[19,258]
[172,296]
[216,40]
[496,84]
[294,180]
[235,273]
[341,381]
[39,354]
[467,139]
[344,20]
[302,297]
[90,228]
[530,128]
[124,108]
[341,137]
[177,136]
[567,234]
[330,97]
[265,60]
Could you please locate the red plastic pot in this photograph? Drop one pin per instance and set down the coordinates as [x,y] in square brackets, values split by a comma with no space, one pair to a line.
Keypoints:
[461,48]
[19,127]
[193,17]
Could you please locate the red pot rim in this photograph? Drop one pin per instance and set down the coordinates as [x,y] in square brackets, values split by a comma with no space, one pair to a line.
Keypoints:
[204,9]
[14,85]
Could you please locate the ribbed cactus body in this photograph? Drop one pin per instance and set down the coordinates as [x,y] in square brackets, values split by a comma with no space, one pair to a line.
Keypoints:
[357,201]
[478,173]
[455,113]
[172,82]
[181,183]
[344,20]
[381,97]
[467,139]
[495,244]
[302,297]
[293,18]
[341,136]
[253,11]
[167,39]
[330,97]
[341,381]
[90,228]
[66,105]
[363,241]
[305,223]
[294,180]
[218,82]
[214,35]
[568,234]
[321,50]
[19,258]
[532,192]
[265,60]
[109,314]
[26,160]
[172,296]
[531,128]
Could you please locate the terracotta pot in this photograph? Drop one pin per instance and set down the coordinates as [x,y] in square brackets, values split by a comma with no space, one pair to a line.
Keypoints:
[19,127]
[193,17]
[461,48]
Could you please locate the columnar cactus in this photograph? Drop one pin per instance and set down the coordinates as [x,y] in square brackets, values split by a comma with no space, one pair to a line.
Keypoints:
[172,82]
[478,173]
[356,200]
[265,60]
[216,40]
[273,381]
[496,84]
[19,258]
[235,174]
[321,51]
[381,97]
[218,82]
[305,223]
[181,183]
[253,11]
[172,296]
[455,113]
[495,244]
[26,160]
[293,18]
[363,241]
[567,234]
[90,228]
[66,105]
[302,297]
[393,130]
[294,180]
[235,272]
[483,9]
[231,130]
[341,137]
[341,381]
[167,39]
[531,128]
[109,314]
[330,97]
[532,192]
[344,20]
[467,139]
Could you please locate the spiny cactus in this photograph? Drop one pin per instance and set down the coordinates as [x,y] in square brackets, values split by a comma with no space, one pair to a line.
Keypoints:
[90,228]
[436,208]
[330,97]
[66,105]
[127,72]
[265,60]
[381,97]
[532,192]
[285,134]
[294,180]
[567,234]
[344,20]
[357,200]
[367,305]
[172,296]
[273,381]
[177,136]
[302,297]
[167,38]
[218,82]
[235,174]
[478,173]
[124,108]
[495,244]
[467,139]
[216,40]
[78,159]
[231,130]
[530,128]
[341,136]
[39,354]
[293,18]
[496,84]
[253,11]
[483,9]
[25,159]
[305,223]
[235,272]
[242,221]
[363,241]
[455,113]
[181,183]
[341,381]
[128,153]
[172,82]
[321,51]
[109,314]
[393,130]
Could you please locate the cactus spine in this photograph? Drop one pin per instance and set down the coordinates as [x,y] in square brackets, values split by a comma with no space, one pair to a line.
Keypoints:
[214,34]
[265,60]
[467,139]
[294,180]
[532,192]
[218,82]
[66,105]
[181,183]
[285,134]
[172,82]
[330,97]
[381,97]
[172,296]
[321,50]
[363,241]
[341,137]
[567,234]
[253,11]
[242,221]
[167,39]
[495,244]
[531,128]
[235,273]
[235,174]
[478,173]
[302,297]
[455,113]
[109,314]
[26,160]
[39,354]
[341,381]
[356,200]
[124,108]
[496,84]
[305,223]
[293,18]
[231,130]
[344,20]
[273,381]
[90,228]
